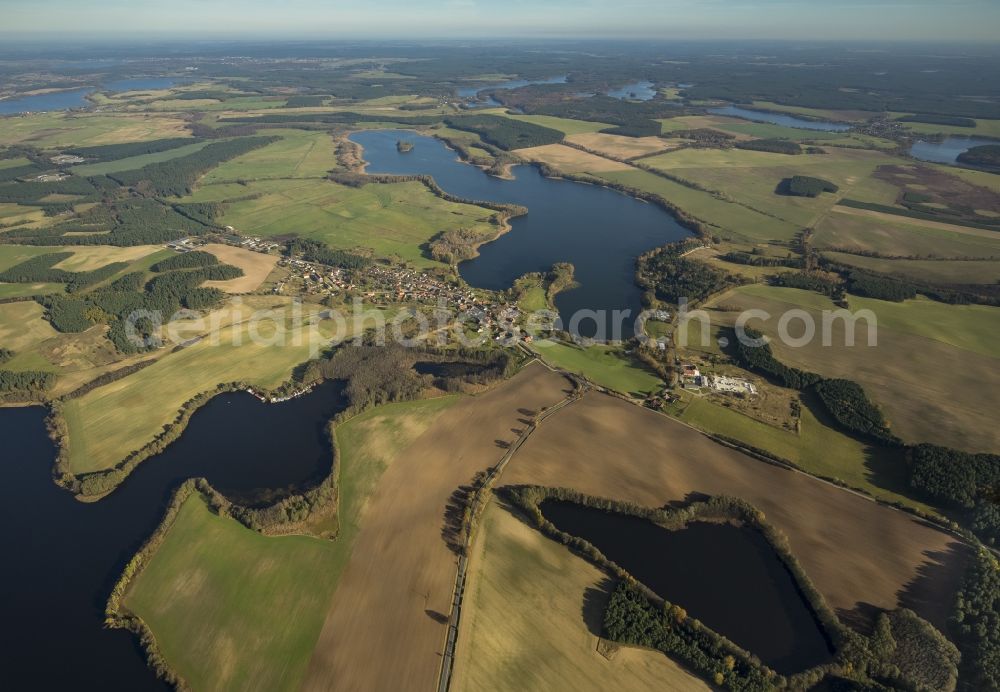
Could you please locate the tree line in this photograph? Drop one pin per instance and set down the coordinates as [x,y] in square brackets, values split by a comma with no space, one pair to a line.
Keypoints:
[774,146]
[113,152]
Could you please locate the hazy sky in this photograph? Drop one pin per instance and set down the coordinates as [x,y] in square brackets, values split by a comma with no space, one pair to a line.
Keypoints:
[839,19]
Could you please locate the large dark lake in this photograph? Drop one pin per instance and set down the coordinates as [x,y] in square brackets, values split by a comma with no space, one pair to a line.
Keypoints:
[728,577]
[62,556]
[598,230]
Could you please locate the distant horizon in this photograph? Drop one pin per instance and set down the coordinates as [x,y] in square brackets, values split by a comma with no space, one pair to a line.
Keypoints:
[152,42]
[924,21]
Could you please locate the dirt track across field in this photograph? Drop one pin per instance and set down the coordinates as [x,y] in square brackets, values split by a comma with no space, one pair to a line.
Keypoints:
[386,625]
[858,554]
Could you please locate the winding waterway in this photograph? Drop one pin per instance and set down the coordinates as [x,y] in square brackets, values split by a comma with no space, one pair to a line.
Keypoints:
[780,119]
[728,577]
[598,230]
[62,556]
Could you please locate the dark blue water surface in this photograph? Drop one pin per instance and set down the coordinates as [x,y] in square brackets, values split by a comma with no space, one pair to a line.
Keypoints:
[636,91]
[598,230]
[77,98]
[780,119]
[947,150]
[62,556]
[56,101]
[728,577]
[473,92]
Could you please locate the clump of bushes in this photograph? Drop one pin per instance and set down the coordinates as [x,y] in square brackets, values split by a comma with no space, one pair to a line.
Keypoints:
[805,186]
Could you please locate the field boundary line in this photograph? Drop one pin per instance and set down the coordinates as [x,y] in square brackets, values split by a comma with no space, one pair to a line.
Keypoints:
[479,501]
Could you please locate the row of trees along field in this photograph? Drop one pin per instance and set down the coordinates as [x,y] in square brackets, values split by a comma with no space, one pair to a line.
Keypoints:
[836,280]
[114,152]
[951,120]
[774,146]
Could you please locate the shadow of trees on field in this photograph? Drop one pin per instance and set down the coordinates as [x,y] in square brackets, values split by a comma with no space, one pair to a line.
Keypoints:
[437,617]
[931,592]
[454,526]
[595,602]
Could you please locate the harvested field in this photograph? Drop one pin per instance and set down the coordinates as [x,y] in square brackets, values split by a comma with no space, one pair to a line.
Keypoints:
[255,265]
[934,271]
[571,160]
[22,327]
[621,147]
[944,226]
[933,362]
[565,125]
[734,219]
[940,187]
[64,129]
[858,553]
[530,617]
[397,587]
[86,258]
[870,231]
[232,609]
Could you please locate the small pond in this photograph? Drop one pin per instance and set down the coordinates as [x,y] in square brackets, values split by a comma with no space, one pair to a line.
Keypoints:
[726,576]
